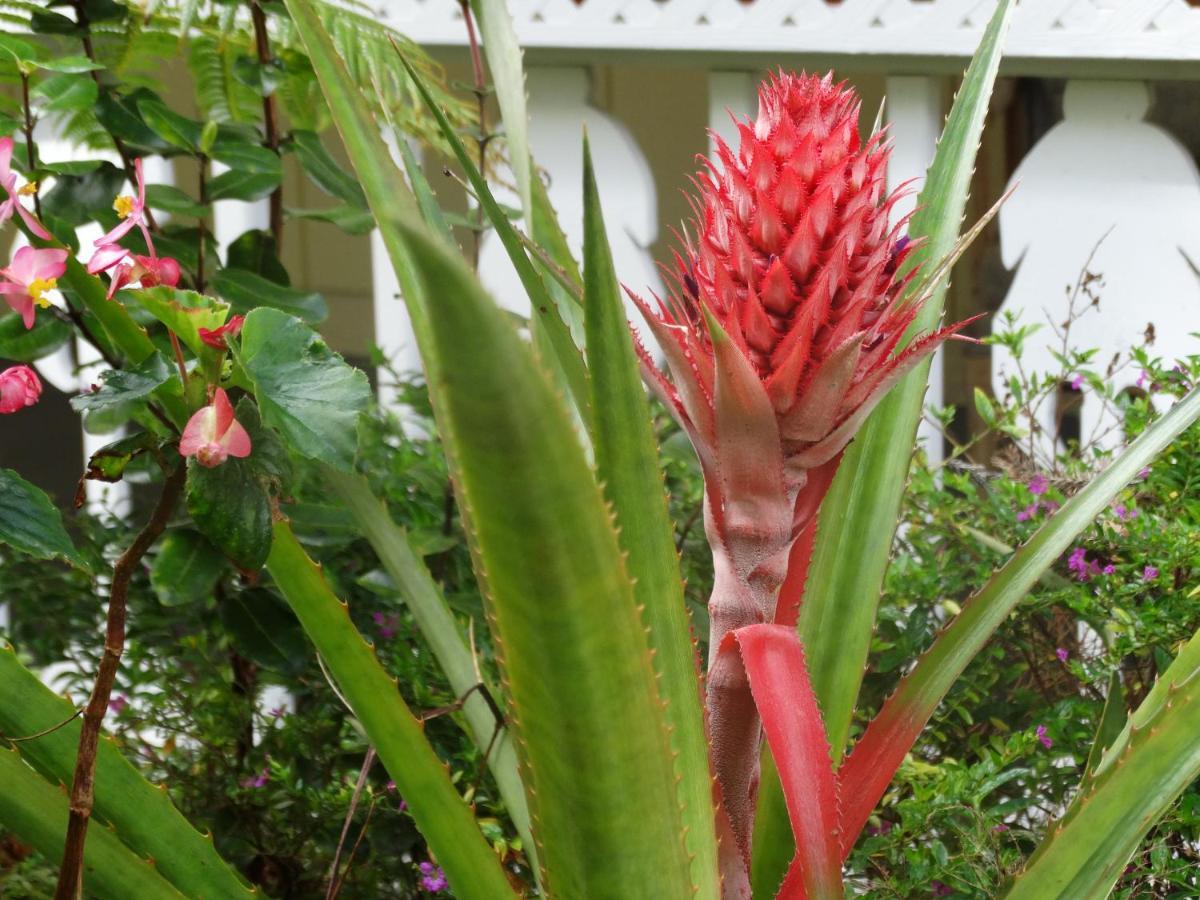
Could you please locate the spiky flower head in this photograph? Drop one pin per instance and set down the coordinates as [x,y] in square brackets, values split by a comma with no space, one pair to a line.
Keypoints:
[795,258]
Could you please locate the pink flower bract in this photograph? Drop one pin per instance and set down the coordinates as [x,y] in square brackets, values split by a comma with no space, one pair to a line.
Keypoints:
[216,337]
[213,435]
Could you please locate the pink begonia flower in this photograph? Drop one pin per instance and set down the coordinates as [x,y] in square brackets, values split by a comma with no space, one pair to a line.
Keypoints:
[146,271]
[132,211]
[19,387]
[215,337]
[8,181]
[213,435]
[27,279]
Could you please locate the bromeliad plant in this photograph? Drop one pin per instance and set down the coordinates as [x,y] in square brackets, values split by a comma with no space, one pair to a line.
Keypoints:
[793,313]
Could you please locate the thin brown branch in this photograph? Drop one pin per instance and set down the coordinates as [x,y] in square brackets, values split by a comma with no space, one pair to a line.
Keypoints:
[335,881]
[262,46]
[83,784]
[81,17]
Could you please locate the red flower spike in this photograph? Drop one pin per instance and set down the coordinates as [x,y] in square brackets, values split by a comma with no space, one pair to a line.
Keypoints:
[779,334]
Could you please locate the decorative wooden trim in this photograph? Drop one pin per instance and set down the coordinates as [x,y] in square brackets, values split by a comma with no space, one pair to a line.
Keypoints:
[1106,33]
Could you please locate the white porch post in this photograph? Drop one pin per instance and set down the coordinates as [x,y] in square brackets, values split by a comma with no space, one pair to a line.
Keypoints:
[730,92]
[915,116]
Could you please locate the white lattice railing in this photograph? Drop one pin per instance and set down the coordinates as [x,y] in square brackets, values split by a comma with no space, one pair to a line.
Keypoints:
[1165,31]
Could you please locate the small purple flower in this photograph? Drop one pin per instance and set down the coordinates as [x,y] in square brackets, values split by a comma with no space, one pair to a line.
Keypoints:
[999,829]
[257,781]
[387,623]
[1040,731]
[1149,573]
[1028,512]
[938,889]
[1143,378]
[1062,654]
[278,712]
[1109,569]
[117,704]
[1076,382]
[1083,567]
[1144,473]
[433,879]
[1050,506]
[390,787]
[1038,485]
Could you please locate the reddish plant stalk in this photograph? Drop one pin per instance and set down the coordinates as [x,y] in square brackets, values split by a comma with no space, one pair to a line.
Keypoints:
[83,783]
[262,47]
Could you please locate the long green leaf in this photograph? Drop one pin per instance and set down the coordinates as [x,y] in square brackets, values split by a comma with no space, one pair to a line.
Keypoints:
[441,814]
[36,811]
[139,813]
[837,617]
[627,465]
[433,616]
[508,78]
[868,770]
[1153,760]
[586,710]
[544,311]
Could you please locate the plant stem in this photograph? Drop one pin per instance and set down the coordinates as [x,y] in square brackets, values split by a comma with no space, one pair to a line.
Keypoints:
[30,156]
[83,783]
[81,17]
[203,223]
[270,118]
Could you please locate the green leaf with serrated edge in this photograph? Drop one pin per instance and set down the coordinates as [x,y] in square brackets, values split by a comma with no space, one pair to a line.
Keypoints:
[324,170]
[30,523]
[67,93]
[171,199]
[508,80]
[264,630]
[440,630]
[140,812]
[350,219]
[21,344]
[183,312]
[230,505]
[243,156]
[544,311]
[1154,759]
[238,184]
[603,799]
[837,618]
[305,391]
[246,291]
[110,461]
[446,822]
[870,767]
[627,467]
[120,386]
[1112,720]
[173,128]
[186,568]
[34,809]
[431,210]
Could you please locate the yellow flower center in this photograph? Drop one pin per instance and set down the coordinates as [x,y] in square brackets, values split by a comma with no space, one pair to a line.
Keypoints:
[38,288]
[124,206]
[28,189]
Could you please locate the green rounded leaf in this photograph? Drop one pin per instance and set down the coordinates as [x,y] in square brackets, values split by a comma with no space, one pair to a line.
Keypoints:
[30,523]
[305,391]
[231,507]
[186,568]
[19,344]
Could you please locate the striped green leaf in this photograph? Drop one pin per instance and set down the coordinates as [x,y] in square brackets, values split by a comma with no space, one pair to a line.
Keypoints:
[586,710]
[1153,760]
[627,465]
[36,811]
[445,820]
[138,812]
